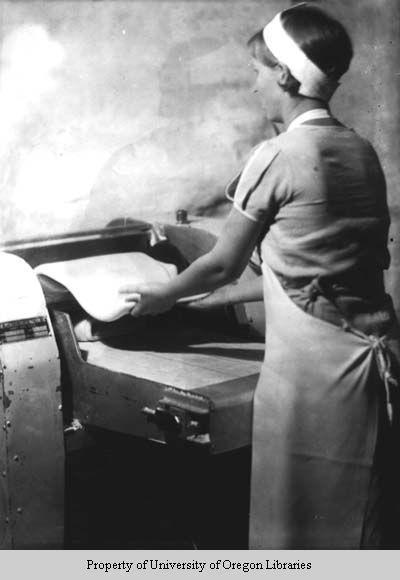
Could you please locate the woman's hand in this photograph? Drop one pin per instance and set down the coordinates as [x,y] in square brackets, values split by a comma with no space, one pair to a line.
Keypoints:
[147,298]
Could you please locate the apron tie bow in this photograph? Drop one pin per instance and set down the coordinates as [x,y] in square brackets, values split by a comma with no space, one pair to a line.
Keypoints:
[383,357]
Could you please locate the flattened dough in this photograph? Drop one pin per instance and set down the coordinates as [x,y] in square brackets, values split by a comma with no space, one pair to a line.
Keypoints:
[95,281]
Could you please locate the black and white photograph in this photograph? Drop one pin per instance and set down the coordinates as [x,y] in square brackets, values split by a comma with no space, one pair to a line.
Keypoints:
[200,281]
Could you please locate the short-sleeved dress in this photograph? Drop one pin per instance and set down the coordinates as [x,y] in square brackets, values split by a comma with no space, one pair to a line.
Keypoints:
[325,414]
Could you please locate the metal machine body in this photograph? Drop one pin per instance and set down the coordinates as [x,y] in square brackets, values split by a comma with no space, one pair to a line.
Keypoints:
[184,377]
[31,438]
[197,387]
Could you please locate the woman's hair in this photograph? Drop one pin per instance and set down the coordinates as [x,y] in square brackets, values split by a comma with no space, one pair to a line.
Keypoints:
[260,51]
[322,38]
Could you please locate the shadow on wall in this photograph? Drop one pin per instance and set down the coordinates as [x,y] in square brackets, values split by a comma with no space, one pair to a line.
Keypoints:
[137,108]
[206,125]
[130,108]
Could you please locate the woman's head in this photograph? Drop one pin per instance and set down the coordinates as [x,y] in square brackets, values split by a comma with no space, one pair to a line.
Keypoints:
[310,44]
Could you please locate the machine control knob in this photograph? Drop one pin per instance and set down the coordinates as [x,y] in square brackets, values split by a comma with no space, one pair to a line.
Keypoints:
[181,217]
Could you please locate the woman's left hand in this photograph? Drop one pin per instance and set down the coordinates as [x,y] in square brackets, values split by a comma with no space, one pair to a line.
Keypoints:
[147,299]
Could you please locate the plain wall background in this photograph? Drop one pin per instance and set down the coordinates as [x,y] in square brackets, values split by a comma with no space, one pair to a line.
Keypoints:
[135,108]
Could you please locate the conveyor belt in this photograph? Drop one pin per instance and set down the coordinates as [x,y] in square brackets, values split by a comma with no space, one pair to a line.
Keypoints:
[194,365]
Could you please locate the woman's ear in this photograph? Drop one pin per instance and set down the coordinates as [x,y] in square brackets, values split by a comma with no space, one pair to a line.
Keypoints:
[286,80]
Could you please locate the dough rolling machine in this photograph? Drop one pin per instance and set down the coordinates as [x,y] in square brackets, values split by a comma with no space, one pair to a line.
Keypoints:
[184,377]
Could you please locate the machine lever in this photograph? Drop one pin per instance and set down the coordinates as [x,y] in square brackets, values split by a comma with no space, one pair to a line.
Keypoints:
[164,419]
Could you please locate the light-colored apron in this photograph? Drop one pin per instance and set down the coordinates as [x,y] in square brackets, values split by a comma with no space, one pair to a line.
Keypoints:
[317,410]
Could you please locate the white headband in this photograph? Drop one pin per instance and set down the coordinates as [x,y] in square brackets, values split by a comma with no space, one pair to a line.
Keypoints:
[313,82]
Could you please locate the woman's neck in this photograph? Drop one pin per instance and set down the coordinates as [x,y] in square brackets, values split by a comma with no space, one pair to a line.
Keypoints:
[292,107]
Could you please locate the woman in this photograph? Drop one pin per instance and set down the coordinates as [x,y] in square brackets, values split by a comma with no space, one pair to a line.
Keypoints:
[324,408]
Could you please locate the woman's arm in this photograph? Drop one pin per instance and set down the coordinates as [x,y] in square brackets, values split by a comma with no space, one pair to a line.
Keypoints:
[235,293]
[224,263]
